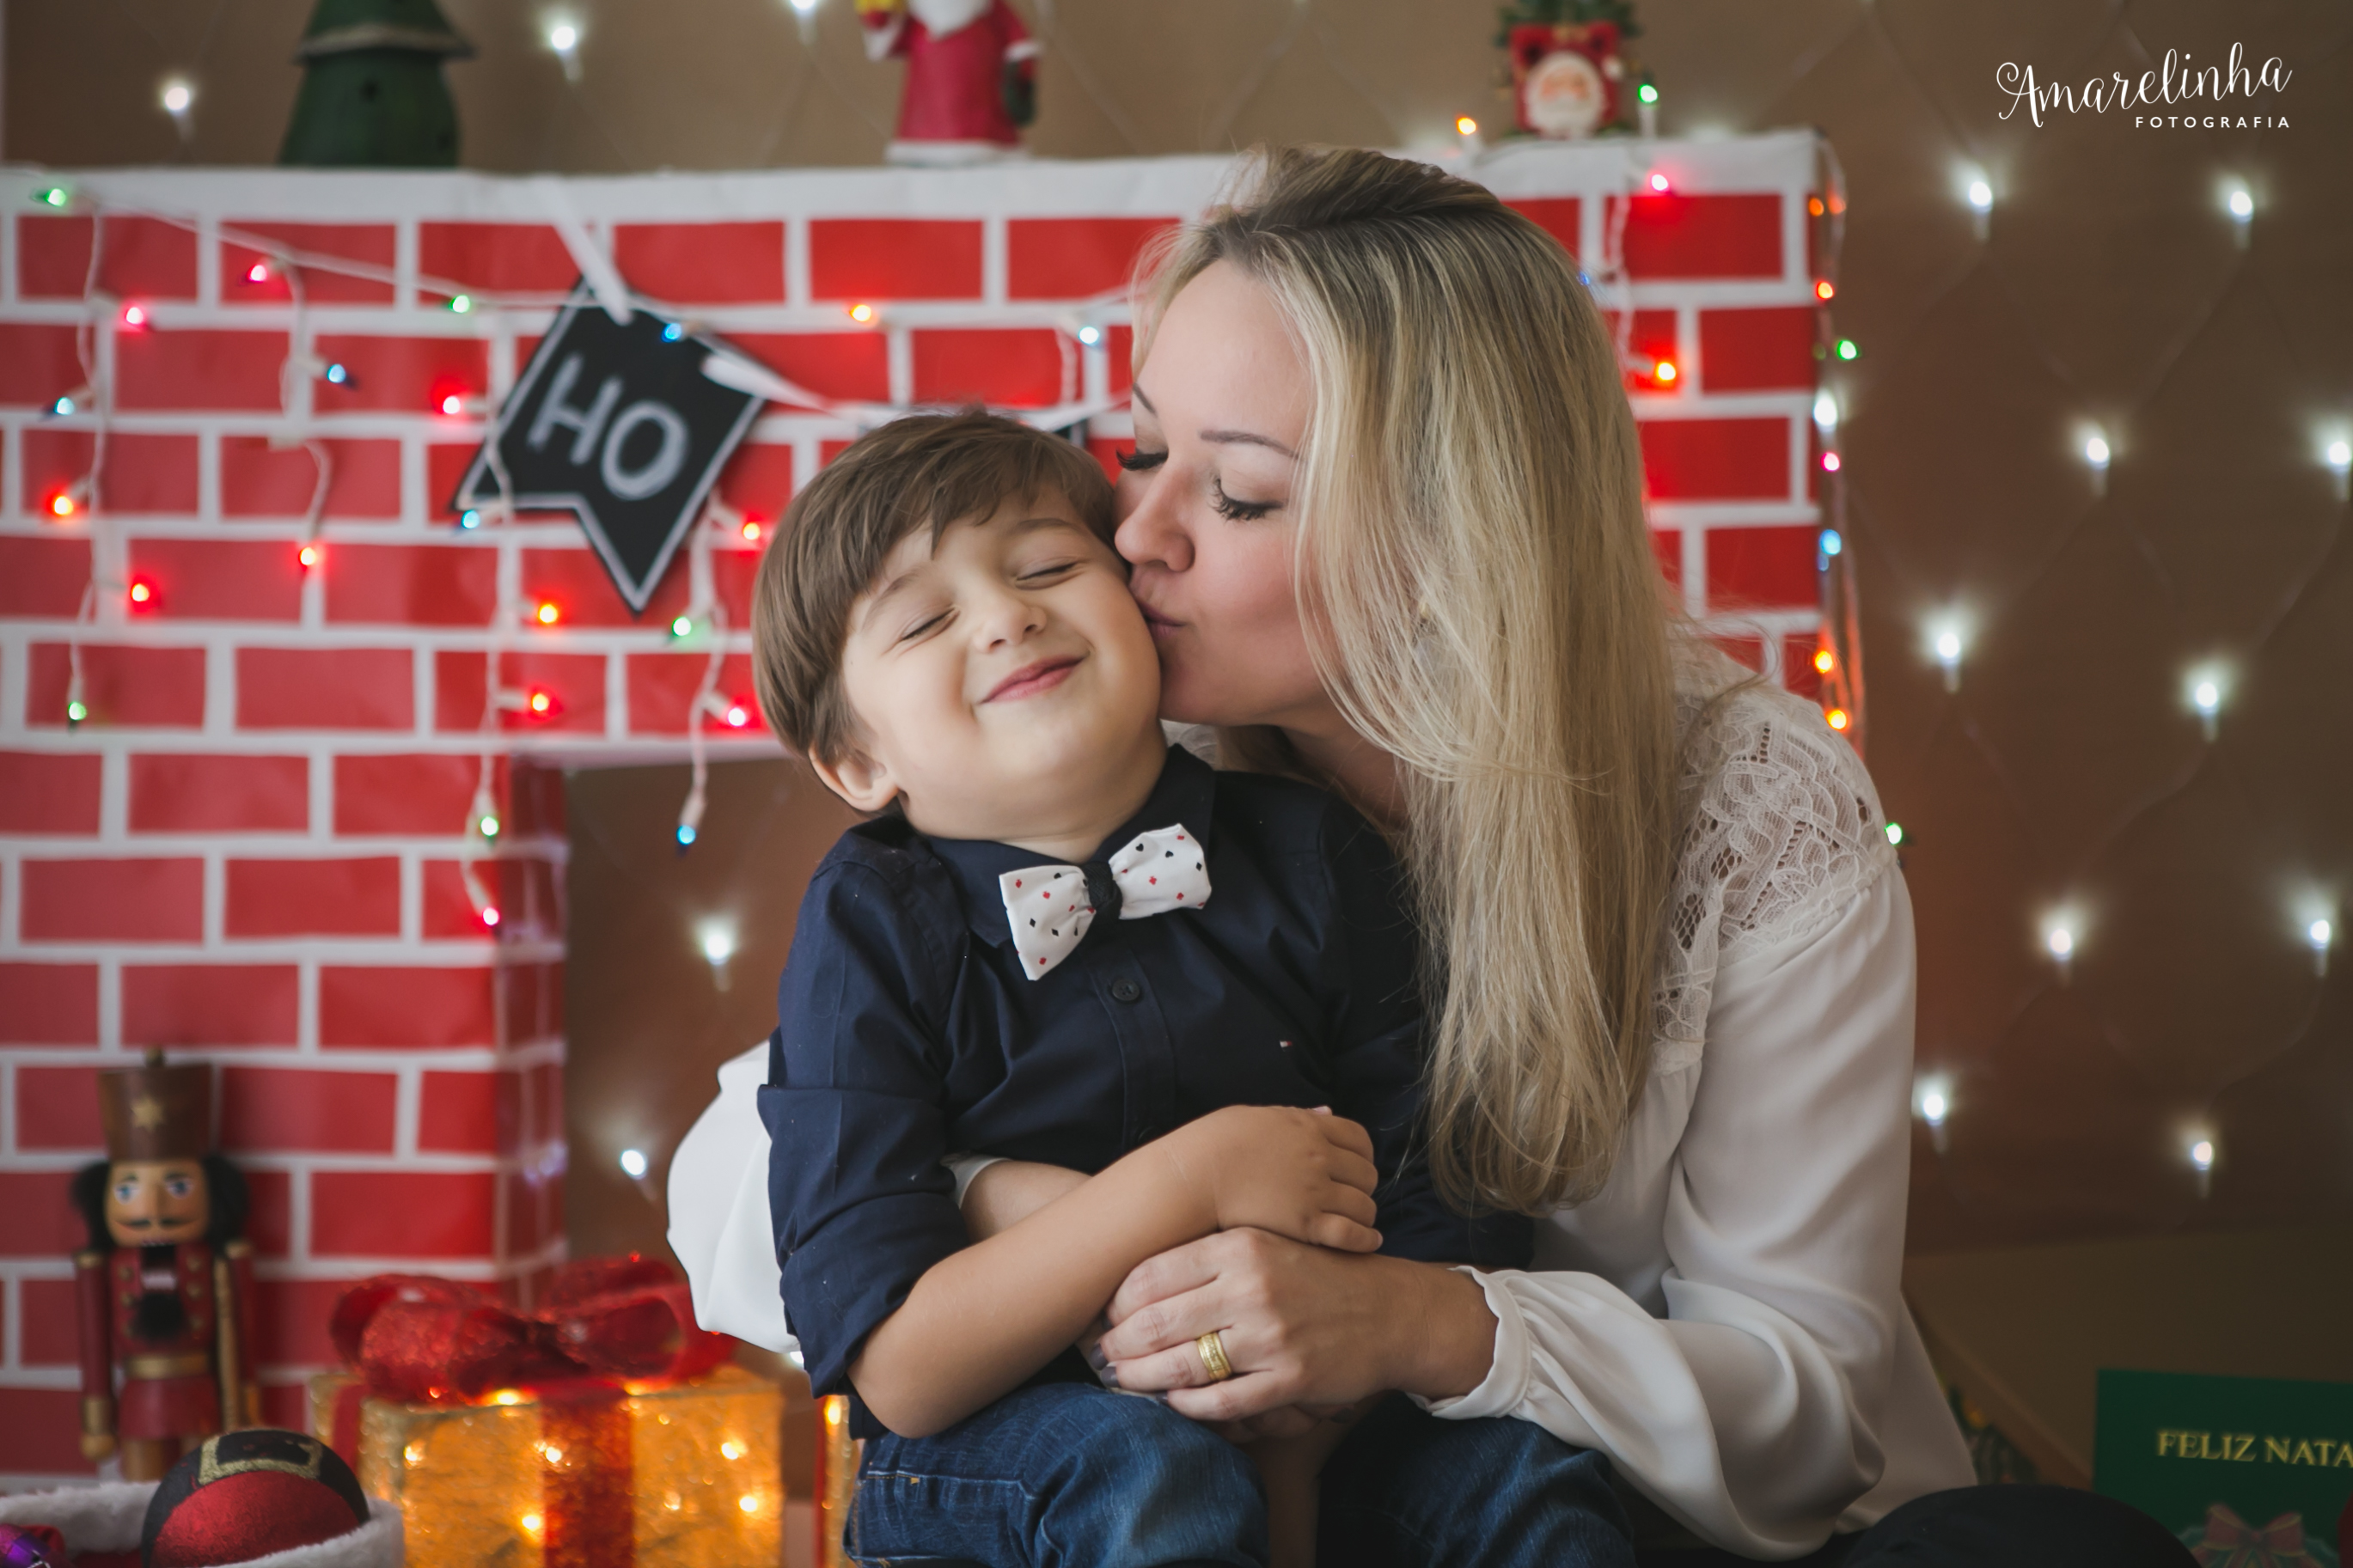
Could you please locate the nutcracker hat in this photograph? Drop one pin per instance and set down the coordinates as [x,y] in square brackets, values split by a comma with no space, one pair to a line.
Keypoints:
[157,1111]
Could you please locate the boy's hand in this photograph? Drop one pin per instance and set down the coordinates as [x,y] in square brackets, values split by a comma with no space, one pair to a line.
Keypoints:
[1306,1175]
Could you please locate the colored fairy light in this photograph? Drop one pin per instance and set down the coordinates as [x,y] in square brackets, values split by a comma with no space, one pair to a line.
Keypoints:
[672,333]
[1664,373]
[61,505]
[1646,94]
[142,591]
[54,196]
[134,316]
[1824,661]
[453,404]
[2242,204]
[686,835]
[336,373]
[462,304]
[1846,349]
[547,615]
[1091,335]
[1814,206]
[487,825]
[1838,719]
[1829,462]
[1465,126]
[731,1449]
[863,313]
[749,1502]
[470,517]
[633,1165]
[1895,834]
[257,273]
[63,405]
[1824,288]
[1826,411]
[490,915]
[682,626]
[540,702]
[76,712]
[752,529]
[1980,196]
[1658,184]
[1829,543]
[738,715]
[308,556]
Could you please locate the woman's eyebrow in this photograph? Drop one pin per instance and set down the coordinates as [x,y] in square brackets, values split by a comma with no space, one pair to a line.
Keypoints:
[1246,439]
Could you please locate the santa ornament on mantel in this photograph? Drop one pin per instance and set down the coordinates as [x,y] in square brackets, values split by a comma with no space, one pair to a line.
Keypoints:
[1570,73]
[972,76]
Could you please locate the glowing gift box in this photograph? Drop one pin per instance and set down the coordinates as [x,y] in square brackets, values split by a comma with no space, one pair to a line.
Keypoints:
[580,1476]
[599,1431]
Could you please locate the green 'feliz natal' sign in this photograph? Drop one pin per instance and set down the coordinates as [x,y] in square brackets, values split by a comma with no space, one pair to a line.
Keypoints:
[2256,1469]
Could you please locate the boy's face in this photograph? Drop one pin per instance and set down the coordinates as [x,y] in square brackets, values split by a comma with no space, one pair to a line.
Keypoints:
[1001,683]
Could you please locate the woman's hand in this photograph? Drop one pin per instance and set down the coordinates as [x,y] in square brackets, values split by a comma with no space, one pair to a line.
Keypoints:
[1301,1325]
[1305,1174]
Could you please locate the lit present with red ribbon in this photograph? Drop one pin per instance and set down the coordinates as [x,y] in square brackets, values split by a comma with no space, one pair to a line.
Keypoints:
[599,1431]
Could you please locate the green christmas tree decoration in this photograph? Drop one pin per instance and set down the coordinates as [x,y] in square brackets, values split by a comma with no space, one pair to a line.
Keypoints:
[1550,12]
[373,95]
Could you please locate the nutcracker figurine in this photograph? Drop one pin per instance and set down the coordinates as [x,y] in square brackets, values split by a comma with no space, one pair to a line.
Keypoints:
[972,76]
[166,1290]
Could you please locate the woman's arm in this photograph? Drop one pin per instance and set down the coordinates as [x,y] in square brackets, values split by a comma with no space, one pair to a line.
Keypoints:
[983,1319]
[1760,1407]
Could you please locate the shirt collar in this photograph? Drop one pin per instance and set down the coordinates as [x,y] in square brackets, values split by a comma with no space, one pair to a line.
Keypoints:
[1186,790]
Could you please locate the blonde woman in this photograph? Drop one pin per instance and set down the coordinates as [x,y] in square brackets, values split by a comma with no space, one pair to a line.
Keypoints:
[1384,513]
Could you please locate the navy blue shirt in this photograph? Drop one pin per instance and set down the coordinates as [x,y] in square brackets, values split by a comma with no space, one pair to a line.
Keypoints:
[909,1031]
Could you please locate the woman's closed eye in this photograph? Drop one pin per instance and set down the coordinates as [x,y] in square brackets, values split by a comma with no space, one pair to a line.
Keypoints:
[1138,461]
[1237,510]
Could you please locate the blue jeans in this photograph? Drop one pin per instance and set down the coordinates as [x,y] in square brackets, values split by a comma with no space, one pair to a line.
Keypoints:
[1071,1476]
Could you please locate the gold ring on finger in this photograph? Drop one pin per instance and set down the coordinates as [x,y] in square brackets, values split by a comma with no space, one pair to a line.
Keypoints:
[1213,1356]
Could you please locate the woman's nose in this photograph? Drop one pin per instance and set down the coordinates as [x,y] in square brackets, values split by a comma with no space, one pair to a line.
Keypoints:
[1152,534]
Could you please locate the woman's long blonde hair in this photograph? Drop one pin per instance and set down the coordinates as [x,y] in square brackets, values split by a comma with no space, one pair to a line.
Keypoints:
[1477,582]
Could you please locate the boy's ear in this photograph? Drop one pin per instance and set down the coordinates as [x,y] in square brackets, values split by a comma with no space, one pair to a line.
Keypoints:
[864,784]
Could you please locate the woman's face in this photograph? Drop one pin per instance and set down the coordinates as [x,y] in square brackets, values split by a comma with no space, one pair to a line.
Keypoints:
[1222,405]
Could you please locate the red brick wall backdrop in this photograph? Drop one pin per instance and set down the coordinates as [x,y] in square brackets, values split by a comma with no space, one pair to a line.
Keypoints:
[252,850]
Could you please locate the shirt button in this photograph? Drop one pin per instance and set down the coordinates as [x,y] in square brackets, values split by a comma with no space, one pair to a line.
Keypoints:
[1125,990]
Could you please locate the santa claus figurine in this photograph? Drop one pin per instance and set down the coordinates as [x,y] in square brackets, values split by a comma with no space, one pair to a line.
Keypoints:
[164,1291]
[972,76]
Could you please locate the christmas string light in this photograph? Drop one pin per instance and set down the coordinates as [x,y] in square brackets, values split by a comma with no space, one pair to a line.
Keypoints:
[2201,1159]
[633,1163]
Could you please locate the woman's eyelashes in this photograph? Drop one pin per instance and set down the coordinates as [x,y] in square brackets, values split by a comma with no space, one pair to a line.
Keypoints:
[1235,510]
[1138,461]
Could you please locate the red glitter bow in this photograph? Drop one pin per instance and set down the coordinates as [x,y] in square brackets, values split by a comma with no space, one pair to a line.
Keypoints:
[2231,1542]
[418,1337]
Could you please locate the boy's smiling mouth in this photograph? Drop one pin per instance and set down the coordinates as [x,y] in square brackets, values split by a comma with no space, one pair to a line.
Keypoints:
[1031,680]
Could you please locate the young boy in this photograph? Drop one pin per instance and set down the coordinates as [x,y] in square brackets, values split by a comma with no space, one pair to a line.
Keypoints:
[1059,941]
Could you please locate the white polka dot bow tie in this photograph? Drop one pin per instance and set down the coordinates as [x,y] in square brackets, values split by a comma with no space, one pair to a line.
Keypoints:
[1049,908]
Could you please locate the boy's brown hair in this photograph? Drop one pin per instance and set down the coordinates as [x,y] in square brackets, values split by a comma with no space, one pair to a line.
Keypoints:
[924,471]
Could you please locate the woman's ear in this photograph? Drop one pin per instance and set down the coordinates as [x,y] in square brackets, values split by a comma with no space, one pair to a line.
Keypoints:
[864,784]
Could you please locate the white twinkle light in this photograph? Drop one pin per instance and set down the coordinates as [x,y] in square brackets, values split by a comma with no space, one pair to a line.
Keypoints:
[177,97]
[2241,205]
[2061,942]
[2338,456]
[1826,411]
[1932,1103]
[2095,452]
[2061,937]
[1980,196]
[718,942]
[2205,688]
[633,1163]
[2320,933]
[1933,1108]
[2201,1159]
[1947,642]
[804,6]
[563,37]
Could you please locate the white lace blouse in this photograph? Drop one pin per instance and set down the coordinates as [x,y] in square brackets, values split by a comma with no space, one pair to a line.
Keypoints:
[1724,1319]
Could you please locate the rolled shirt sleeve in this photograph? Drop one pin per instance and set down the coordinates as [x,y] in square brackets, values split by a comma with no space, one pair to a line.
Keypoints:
[854,1109]
[1756,1411]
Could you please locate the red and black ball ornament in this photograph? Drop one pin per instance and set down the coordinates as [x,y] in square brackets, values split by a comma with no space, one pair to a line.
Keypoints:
[246,1494]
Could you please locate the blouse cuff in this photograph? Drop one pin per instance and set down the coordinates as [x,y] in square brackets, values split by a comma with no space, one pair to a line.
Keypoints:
[1506,1383]
[965,1167]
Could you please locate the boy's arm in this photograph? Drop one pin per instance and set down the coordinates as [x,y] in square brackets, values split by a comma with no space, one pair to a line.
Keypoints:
[982,1320]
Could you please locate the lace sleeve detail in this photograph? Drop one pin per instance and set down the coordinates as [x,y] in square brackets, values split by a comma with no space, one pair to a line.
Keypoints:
[1782,831]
